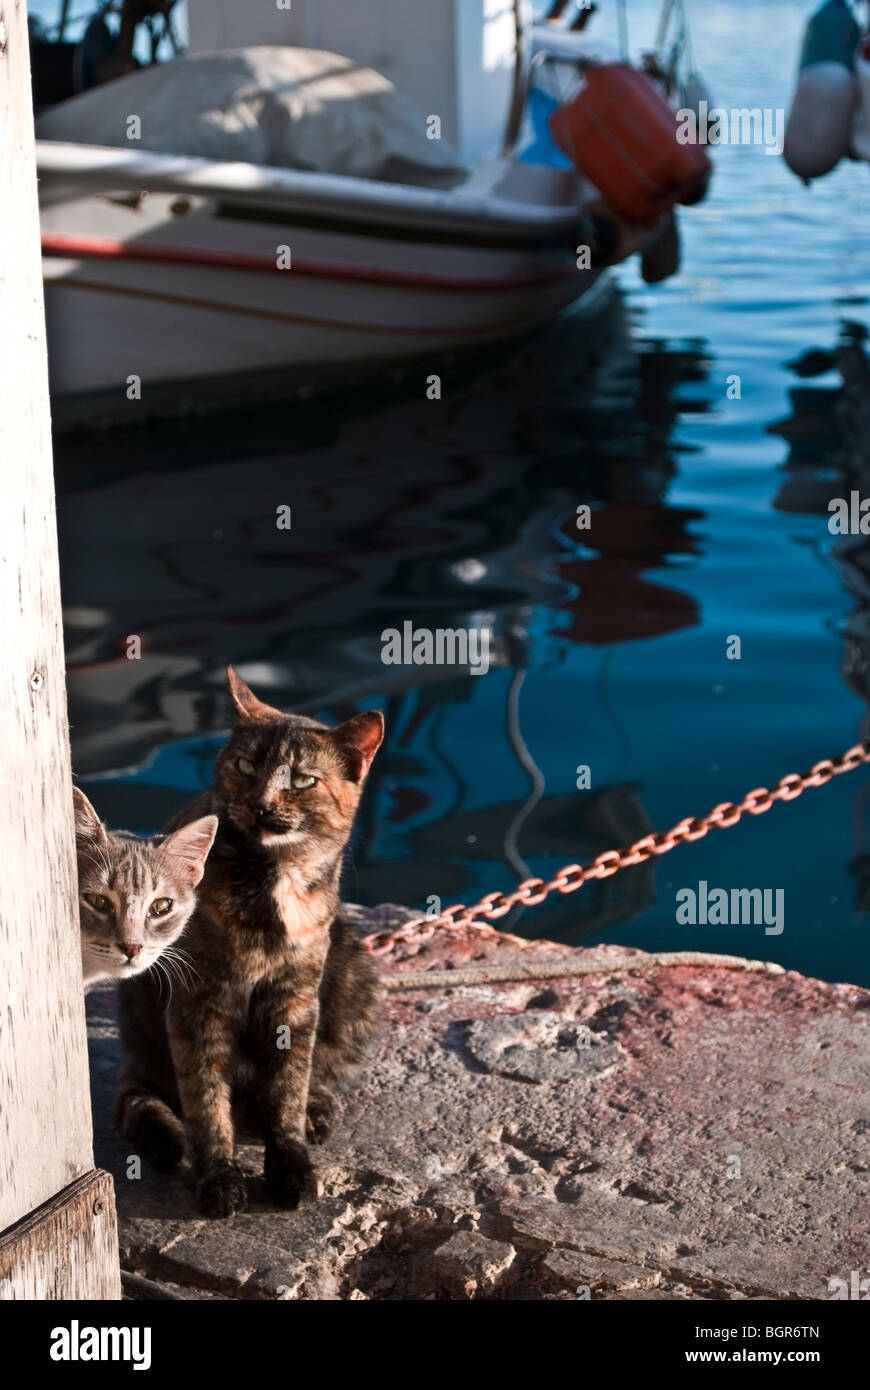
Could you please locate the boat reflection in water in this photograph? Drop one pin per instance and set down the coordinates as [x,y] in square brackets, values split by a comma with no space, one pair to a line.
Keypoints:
[456,514]
[828,433]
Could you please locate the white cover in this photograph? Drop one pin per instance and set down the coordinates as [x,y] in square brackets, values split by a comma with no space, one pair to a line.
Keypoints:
[296,108]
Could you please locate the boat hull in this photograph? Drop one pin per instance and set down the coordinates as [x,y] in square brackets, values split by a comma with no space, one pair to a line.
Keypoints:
[152,296]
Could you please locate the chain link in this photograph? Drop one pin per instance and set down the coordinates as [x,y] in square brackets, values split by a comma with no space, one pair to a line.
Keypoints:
[493,906]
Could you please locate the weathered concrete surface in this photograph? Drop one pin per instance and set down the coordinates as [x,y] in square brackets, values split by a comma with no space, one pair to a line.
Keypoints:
[707,1137]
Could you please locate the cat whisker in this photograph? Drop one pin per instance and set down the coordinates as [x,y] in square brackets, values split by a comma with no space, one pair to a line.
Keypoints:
[98,863]
[187,975]
[184,971]
[155,966]
[105,862]
[167,967]
[165,974]
[183,959]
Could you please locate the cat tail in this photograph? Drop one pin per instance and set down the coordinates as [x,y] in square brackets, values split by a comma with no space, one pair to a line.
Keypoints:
[150,1125]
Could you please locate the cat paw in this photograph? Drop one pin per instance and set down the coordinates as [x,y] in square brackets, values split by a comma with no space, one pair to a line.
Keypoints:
[164,1150]
[288,1173]
[320,1118]
[221,1189]
[161,1143]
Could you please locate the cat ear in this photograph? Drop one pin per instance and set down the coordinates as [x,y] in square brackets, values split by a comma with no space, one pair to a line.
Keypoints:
[88,824]
[190,845]
[247,706]
[359,740]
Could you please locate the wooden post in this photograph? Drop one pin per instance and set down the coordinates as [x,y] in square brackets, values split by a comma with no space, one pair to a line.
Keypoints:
[58,1233]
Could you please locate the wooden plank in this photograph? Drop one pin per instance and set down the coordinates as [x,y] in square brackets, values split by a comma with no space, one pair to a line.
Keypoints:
[45,1121]
[68,1248]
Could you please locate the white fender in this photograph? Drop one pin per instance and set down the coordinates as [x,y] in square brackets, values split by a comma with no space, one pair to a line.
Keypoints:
[819,130]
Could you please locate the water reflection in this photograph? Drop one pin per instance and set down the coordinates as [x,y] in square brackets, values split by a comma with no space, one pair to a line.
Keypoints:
[448,514]
[828,434]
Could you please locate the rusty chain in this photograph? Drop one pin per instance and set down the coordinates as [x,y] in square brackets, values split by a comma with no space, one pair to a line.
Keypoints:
[533,891]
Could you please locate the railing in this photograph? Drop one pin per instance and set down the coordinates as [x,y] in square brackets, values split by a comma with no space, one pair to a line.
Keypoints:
[530,55]
[522,76]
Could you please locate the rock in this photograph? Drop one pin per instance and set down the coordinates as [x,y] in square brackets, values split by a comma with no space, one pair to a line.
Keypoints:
[583,1271]
[596,1224]
[539,1047]
[709,1143]
[466,1265]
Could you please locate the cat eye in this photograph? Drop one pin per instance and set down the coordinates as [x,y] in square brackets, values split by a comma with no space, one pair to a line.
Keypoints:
[97,901]
[247,768]
[301,781]
[160,907]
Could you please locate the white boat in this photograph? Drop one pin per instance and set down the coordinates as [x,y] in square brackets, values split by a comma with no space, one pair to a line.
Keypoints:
[173,281]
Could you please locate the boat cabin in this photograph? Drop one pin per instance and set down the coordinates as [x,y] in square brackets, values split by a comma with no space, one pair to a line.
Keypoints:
[456,59]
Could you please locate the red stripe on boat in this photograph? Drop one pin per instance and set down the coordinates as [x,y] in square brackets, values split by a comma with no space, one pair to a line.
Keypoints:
[101,248]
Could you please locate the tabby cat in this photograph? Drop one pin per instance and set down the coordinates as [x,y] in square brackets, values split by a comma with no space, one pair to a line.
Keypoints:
[135,895]
[281,998]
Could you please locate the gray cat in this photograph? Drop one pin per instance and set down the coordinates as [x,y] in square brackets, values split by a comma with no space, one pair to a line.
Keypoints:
[135,895]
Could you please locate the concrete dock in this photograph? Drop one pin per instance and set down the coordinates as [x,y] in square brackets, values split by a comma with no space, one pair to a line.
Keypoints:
[674,1132]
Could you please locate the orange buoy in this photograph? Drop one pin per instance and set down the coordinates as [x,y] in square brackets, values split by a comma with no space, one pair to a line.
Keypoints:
[621,133]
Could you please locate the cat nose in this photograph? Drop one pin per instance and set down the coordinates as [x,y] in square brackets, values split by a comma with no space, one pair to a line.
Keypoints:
[131,951]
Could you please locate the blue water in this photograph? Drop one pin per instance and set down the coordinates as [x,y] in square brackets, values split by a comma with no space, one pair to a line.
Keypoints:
[709,522]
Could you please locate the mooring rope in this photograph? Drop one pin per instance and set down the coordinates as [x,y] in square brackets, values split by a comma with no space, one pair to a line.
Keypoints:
[565,969]
[533,891]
